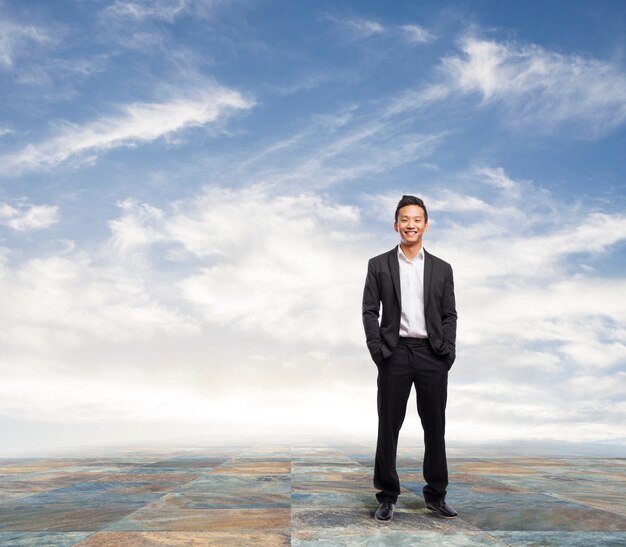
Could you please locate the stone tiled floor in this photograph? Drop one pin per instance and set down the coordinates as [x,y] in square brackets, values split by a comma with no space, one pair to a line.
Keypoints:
[302,493]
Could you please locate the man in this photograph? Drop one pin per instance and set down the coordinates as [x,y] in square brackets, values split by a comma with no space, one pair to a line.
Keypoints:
[413,344]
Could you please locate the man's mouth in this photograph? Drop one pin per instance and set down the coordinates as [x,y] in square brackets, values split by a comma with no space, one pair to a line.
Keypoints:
[411,232]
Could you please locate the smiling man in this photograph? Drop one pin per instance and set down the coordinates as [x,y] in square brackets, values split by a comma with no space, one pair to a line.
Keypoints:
[414,344]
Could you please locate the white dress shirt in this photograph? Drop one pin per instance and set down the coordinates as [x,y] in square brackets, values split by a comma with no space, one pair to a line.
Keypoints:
[412,320]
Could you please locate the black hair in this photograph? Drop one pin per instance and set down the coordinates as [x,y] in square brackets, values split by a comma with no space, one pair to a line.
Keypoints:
[411,200]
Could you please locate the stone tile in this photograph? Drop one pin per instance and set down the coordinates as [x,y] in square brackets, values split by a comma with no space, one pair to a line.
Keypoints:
[185,462]
[608,502]
[217,484]
[305,492]
[222,500]
[163,518]
[350,485]
[136,539]
[400,538]
[362,518]
[67,517]
[535,511]
[150,482]
[326,500]
[569,539]
[494,468]
[41,539]
[252,468]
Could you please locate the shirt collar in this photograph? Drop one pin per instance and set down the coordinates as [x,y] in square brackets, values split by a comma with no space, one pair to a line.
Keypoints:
[419,256]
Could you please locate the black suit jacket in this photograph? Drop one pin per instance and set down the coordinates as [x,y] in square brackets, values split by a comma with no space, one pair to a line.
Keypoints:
[382,285]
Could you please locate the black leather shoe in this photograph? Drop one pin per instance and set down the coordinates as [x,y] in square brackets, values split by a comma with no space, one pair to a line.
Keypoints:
[385,511]
[442,509]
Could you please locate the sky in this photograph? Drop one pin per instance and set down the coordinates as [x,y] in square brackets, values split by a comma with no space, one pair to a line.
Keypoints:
[190,191]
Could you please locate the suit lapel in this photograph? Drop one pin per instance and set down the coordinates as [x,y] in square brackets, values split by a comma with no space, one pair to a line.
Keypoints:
[428,271]
[394,268]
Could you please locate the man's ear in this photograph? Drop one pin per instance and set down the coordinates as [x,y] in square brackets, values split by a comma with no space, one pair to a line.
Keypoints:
[395,226]
[426,227]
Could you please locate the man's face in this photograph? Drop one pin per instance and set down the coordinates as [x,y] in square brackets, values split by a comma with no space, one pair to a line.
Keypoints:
[411,224]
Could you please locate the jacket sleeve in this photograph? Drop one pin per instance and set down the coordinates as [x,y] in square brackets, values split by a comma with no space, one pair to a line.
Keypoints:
[449,316]
[371,312]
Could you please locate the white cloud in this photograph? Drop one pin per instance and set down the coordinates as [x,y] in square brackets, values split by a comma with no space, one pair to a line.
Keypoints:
[497,409]
[25,54]
[261,288]
[497,177]
[522,250]
[599,386]
[58,79]
[417,99]
[358,26]
[365,27]
[162,10]
[28,217]
[454,202]
[416,34]
[139,13]
[539,87]
[133,123]
[271,253]
[133,229]
[166,10]
[15,38]
[62,302]
[253,299]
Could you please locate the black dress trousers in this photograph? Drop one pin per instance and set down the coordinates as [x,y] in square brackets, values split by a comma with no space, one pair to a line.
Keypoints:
[413,362]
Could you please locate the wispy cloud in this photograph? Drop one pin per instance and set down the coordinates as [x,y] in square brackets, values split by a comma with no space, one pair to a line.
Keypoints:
[497,177]
[129,125]
[307,83]
[166,10]
[416,34]
[60,73]
[358,154]
[28,217]
[39,60]
[333,149]
[16,37]
[364,28]
[539,87]
[533,88]
[162,10]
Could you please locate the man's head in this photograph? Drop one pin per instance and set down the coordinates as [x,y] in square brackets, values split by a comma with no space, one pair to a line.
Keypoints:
[411,220]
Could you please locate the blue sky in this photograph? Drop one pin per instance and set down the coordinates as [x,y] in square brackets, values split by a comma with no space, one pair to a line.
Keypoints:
[190,191]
